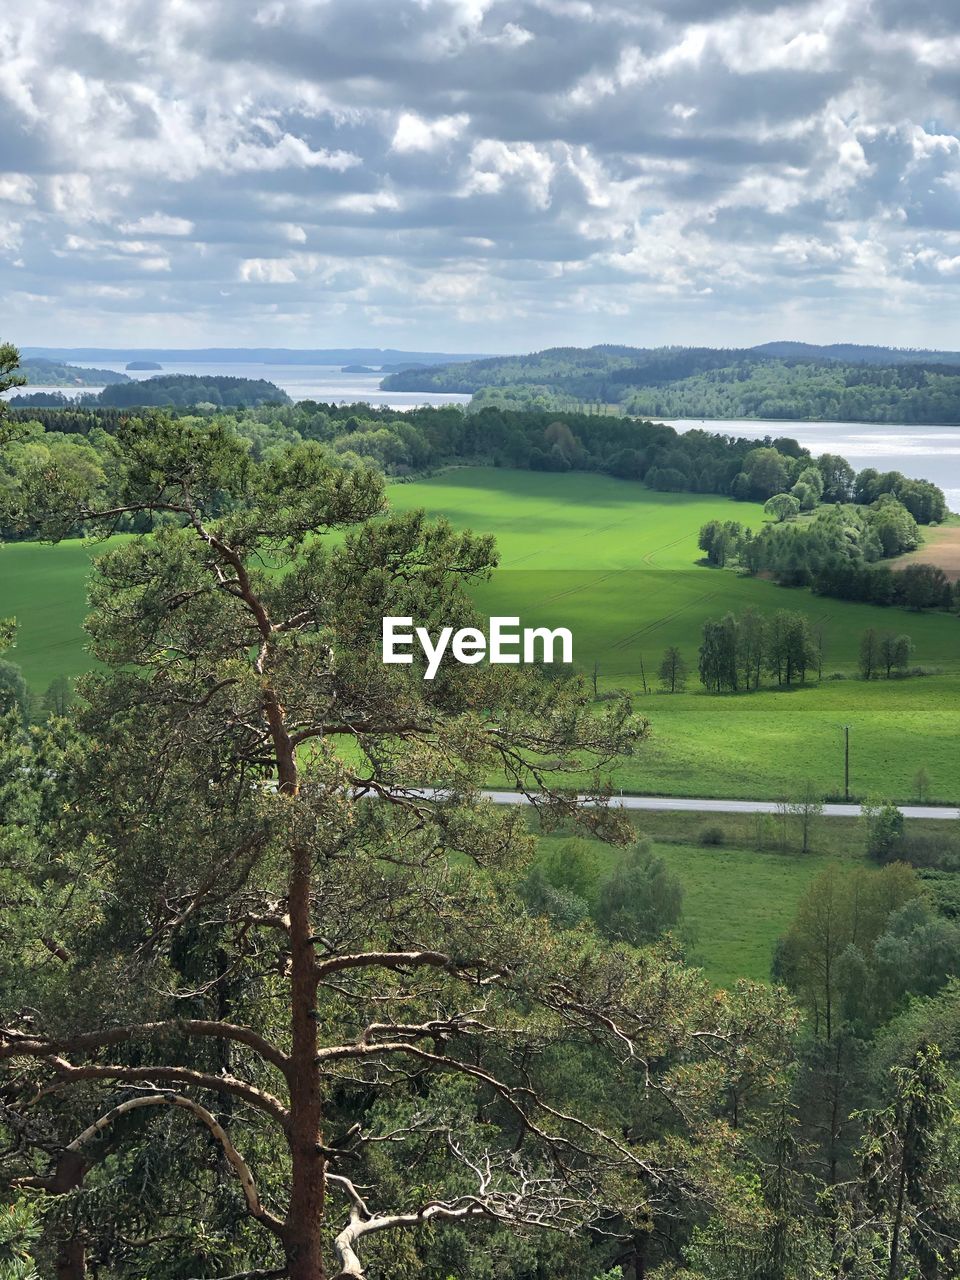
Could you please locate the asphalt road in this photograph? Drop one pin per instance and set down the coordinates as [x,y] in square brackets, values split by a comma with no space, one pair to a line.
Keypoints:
[675,804]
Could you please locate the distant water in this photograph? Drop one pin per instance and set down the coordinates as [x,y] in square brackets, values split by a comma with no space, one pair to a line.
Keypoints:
[923,453]
[299,381]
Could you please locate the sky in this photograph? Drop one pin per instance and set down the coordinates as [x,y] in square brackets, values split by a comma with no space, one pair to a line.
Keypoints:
[471,175]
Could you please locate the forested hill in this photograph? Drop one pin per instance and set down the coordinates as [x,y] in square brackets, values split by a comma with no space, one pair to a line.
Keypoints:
[854,353]
[176,390]
[703,382]
[54,373]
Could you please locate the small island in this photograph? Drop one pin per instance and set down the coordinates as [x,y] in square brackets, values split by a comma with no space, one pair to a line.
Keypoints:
[140,366]
[165,390]
[41,372]
[356,368]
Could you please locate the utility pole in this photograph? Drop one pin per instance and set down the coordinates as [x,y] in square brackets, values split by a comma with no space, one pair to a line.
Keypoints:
[846,762]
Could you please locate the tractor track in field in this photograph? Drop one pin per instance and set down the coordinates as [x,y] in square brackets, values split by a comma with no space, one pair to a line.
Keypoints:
[648,558]
[658,622]
[554,545]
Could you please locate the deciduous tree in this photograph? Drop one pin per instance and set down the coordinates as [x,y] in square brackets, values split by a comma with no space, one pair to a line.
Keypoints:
[673,670]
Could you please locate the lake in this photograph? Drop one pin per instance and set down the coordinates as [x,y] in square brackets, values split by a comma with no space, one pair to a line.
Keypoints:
[923,453]
[299,381]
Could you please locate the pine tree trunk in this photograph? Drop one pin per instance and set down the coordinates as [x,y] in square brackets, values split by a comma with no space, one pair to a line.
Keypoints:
[70,1249]
[303,1233]
[303,1226]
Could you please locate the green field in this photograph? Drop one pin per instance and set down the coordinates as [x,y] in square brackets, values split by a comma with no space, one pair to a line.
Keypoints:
[44,588]
[617,564]
[738,899]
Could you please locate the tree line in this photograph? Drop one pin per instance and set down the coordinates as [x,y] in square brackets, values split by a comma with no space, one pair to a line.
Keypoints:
[737,651]
[165,390]
[402,444]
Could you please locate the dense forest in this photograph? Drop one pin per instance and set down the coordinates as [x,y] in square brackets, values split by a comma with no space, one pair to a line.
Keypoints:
[710,383]
[175,390]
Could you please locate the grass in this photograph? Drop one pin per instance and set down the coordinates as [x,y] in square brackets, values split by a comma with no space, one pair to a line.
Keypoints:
[44,588]
[736,900]
[618,565]
[765,745]
[736,903]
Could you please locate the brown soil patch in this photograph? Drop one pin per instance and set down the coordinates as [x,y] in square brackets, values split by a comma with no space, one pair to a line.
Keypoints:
[941,548]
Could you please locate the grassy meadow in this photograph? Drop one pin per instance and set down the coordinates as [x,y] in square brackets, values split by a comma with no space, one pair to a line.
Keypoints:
[738,898]
[618,565]
[44,588]
[736,902]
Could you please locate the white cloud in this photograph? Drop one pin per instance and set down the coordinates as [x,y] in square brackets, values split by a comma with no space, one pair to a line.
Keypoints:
[136,246]
[158,224]
[11,236]
[267,271]
[111,292]
[368,202]
[494,163]
[287,152]
[18,188]
[413,133]
[73,196]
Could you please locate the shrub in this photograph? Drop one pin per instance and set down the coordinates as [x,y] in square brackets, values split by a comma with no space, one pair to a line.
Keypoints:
[884,831]
[713,835]
[640,899]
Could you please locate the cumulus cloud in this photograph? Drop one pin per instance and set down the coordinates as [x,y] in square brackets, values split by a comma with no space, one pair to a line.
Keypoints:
[413,133]
[17,188]
[480,174]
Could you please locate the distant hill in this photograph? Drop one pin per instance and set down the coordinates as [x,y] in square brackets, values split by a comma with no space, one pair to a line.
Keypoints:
[142,365]
[779,381]
[41,372]
[852,353]
[251,355]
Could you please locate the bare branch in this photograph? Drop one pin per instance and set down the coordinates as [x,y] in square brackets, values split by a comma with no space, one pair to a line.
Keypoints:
[249,1093]
[384,960]
[233,1156]
[505,1192]
[15,1044]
